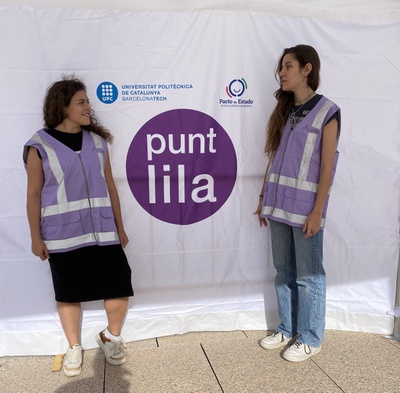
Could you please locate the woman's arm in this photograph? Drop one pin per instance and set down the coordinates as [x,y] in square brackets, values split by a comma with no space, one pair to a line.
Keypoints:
[329,141]
[116,206]
[33,204]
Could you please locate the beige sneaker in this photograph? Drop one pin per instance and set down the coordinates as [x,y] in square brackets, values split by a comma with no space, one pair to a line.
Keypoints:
[72,365]
[113,350]
[299,352]
[274,341]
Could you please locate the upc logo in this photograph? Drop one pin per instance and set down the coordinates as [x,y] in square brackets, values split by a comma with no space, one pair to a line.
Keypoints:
[236,88]
[181,166]
[107,92]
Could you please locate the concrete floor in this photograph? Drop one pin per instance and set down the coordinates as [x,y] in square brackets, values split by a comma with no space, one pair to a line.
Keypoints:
[208,362]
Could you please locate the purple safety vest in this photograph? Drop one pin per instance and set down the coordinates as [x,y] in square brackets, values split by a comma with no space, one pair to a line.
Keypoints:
[291,185]
[75,205]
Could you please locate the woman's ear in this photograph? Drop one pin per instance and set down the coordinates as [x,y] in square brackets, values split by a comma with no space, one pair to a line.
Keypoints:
[307,69]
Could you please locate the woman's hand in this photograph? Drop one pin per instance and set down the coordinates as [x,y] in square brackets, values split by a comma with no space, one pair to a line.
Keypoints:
[261,220]
[123,238]
[39,249]
[312,224]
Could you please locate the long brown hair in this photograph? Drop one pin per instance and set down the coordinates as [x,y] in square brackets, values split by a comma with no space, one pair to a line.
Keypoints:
[304,54]
[58,97]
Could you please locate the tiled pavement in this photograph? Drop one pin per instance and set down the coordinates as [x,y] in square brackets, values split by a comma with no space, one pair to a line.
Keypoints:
[215,362]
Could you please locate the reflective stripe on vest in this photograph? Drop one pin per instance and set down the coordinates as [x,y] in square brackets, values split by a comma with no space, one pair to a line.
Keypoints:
[55,168]
[310,143]
[87,239]
[75,205]
[290,218]
[99,144]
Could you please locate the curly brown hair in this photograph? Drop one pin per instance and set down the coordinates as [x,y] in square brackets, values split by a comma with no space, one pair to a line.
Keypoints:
[58,97]
[304,54]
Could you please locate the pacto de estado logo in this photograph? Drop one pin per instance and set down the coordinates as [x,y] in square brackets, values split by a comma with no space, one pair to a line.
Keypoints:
[236,88]
[181,166]
[107,92]
[235,96]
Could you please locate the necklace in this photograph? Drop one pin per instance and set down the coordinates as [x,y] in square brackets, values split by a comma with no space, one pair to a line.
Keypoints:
[293,114]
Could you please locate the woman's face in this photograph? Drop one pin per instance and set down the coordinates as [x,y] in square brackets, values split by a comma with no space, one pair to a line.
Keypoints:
[291,75]
[78,110]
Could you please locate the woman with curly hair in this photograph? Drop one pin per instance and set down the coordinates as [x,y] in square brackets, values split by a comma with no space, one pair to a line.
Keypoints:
[75,218]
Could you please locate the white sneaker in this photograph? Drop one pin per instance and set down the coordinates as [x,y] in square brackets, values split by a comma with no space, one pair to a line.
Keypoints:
[113,350]
[276,340]
[73,361]
[299,352]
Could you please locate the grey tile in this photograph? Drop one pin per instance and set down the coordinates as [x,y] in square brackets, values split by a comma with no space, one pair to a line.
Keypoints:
[360,362]
[173,368]
[33,374]
[141,344]
[246,367]
[201,337]
[257,335]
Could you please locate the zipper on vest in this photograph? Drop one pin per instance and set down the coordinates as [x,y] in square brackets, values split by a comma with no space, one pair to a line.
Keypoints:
[88,196]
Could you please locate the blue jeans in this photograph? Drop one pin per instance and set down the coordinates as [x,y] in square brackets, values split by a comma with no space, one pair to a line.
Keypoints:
[300,282]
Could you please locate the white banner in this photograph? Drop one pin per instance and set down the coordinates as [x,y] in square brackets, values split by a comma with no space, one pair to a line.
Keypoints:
[187,95]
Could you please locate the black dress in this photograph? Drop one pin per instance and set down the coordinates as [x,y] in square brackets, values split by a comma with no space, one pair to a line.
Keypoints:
[92,272]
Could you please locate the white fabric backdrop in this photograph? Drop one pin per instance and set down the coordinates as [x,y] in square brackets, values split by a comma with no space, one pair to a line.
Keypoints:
[215,274]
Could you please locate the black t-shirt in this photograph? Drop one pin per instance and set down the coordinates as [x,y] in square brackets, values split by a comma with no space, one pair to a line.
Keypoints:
[299,112]
[73,141]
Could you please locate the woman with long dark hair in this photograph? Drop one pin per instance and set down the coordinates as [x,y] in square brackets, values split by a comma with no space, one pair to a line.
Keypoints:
[302,137]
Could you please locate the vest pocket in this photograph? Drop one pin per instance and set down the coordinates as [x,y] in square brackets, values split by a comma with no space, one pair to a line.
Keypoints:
[298,201]
[107,220]
[61,226]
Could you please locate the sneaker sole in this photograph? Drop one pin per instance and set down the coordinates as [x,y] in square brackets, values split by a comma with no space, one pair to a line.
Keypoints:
[273,346]
[109,360]
[302,358]
[73,372]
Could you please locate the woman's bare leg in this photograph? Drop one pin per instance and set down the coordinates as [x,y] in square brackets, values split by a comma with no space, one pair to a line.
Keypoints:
[116,311]
[70,317]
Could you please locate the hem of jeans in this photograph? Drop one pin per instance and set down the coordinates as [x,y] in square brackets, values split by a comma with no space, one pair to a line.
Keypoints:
[310,345]
[283,334]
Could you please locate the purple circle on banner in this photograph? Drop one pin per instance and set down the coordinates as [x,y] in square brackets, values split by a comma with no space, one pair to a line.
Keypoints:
[181,166]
